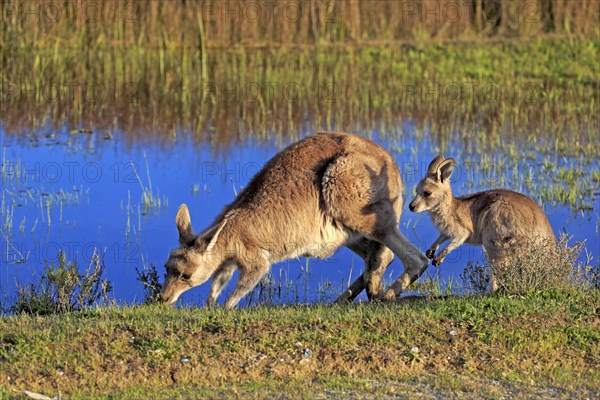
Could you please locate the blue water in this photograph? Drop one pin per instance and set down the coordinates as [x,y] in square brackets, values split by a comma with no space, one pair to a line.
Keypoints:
[94,180]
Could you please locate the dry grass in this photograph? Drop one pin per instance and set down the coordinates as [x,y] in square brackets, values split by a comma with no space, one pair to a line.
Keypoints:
[226,23]
[542,267]
[535,268]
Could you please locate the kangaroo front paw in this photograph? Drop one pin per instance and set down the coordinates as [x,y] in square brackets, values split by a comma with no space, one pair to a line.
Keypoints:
[430,253]
[437,261]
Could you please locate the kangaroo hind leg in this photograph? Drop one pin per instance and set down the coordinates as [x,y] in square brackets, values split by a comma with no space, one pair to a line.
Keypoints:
[377,258]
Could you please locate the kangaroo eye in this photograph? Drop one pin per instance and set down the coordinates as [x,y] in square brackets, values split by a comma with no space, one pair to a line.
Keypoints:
[186,277]
[426,193]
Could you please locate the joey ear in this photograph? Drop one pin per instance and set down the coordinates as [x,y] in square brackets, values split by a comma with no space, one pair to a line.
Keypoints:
[445,170]
[434,164]
[184,225]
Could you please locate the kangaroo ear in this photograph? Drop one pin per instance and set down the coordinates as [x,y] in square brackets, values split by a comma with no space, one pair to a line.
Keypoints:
[434,164]
[445,169]
[184,225]
[215,232]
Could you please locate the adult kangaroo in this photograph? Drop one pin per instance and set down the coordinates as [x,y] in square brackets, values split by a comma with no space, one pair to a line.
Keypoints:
[325,191]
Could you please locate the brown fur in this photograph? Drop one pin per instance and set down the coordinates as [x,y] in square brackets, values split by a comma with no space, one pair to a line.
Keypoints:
[323,192]
[501,220]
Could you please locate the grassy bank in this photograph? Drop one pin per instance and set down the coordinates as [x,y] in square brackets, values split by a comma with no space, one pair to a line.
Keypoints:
[546,344]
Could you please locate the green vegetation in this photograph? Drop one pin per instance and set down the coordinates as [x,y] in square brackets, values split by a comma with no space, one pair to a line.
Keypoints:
[491,93]
[64,288]
[148,276]
[521,346]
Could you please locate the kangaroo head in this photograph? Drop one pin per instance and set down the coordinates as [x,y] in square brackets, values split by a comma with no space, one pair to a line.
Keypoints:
[434,188]
[194,262]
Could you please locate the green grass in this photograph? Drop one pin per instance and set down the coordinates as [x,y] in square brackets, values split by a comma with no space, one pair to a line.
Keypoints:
[520,345]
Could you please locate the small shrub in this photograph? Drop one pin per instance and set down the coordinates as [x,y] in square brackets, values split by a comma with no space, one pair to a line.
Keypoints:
[594,276]
[535,268]
[63,288]
[542,267]
[148,277]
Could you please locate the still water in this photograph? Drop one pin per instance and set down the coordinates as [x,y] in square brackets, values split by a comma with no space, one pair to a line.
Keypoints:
[80,191]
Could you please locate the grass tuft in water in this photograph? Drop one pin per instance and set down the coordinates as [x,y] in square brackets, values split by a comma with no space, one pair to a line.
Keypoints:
[149,199]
